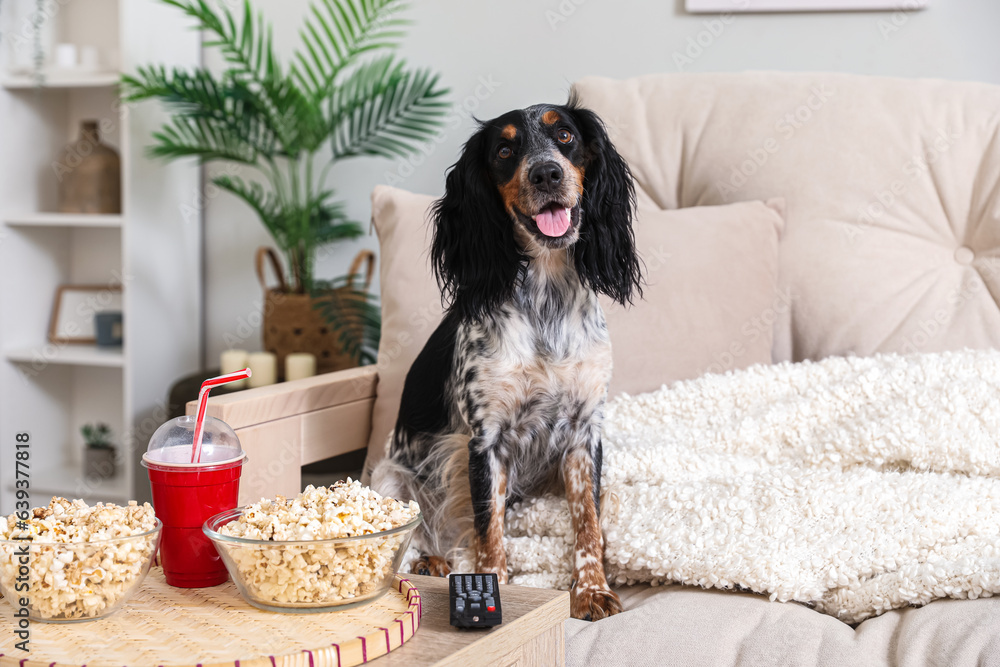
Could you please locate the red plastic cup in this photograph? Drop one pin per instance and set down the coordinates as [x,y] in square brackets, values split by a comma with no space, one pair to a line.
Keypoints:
[186,494]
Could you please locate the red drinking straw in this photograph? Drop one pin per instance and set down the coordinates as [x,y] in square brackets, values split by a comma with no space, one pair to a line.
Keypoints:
[206,387]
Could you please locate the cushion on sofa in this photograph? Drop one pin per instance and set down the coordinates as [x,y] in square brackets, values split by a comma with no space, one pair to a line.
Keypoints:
[679,625]
[892,238]
[709,302]
[411,302]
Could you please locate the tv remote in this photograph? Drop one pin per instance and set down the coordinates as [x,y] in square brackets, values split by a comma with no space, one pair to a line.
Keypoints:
[474,600]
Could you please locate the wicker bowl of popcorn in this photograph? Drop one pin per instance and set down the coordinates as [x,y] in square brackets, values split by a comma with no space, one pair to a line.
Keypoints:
[72,562]
[329,548]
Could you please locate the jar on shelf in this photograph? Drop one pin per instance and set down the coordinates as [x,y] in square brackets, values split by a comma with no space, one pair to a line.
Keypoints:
[90,175]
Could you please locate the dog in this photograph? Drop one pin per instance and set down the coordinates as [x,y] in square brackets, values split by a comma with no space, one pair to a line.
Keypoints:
[506,399]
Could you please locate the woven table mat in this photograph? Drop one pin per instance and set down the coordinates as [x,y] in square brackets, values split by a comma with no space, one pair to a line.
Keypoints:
[168,626]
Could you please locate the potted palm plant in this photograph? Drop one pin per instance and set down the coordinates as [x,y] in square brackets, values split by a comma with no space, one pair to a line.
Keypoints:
[344,94]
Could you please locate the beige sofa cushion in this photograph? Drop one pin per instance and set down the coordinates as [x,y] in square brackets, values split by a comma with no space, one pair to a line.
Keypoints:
[411,302]
[671,624]
[892,237]
[710,299]
[709,302]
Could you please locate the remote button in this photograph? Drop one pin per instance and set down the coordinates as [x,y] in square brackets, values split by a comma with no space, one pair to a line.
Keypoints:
[490,608]
[489,584]
[479,582]
[460,605]
[468,582]
[474,607]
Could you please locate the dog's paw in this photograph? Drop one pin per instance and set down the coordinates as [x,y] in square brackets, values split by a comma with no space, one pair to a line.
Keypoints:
[594,603]
[431,566]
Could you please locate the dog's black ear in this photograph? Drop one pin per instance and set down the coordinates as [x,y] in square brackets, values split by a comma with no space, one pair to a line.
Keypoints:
[474,253]
[605,254]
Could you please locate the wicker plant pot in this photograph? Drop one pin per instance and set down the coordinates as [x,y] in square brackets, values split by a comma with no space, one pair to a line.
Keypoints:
[292,324]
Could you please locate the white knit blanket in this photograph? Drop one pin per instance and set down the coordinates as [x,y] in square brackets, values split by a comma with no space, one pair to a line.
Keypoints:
[856,485]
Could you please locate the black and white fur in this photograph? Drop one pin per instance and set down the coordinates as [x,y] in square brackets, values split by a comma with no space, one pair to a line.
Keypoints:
[506,399]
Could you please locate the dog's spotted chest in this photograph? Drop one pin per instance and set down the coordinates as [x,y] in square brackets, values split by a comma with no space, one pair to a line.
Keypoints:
[541,368]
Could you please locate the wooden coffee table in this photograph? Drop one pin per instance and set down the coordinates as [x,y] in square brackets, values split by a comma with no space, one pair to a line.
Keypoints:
[531,634]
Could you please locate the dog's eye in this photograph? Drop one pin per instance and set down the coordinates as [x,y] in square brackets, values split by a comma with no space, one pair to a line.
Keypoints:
[564,136]
[504,152]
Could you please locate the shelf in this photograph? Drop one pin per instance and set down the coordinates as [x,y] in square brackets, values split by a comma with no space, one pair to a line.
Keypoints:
[62,81]
[69,482]
[67,354]
[64,220]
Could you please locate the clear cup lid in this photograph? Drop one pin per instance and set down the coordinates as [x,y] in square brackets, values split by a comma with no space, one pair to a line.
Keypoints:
[171,444]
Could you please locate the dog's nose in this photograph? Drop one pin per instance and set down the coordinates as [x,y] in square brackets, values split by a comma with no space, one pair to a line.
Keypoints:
[546,176]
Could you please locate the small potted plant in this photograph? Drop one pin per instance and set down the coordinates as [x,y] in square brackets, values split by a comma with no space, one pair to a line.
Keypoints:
[99,456]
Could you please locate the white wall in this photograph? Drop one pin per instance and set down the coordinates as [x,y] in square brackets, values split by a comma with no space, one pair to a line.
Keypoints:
[496,56]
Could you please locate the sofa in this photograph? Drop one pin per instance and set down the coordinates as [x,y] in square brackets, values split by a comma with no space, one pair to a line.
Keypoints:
[781,217]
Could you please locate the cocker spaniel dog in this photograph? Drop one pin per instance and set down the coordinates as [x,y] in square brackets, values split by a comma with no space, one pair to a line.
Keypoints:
[506,399]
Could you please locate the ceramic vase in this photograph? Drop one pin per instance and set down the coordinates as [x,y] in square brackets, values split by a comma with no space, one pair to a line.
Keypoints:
[89,174]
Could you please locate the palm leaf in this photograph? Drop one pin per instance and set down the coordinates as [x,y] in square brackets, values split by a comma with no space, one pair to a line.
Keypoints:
[339,31]
[353,314]
[329,222]
[203,139]
[197,95]
[264,204]
[382,109]
[248,48]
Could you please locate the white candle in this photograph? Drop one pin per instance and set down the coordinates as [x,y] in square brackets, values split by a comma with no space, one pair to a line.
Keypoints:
[66,56]
[264,366]
[232,361]
[300,365]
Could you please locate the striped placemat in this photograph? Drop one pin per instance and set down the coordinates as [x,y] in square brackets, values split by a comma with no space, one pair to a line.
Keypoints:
[206,627]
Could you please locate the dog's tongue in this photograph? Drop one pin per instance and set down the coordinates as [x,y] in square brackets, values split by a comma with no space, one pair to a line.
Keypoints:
[553,221]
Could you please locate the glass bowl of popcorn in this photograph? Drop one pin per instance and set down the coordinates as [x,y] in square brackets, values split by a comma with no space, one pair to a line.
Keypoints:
[72,562]
[328,548]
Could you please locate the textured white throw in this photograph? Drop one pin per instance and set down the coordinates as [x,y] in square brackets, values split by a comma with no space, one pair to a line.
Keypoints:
[856,485]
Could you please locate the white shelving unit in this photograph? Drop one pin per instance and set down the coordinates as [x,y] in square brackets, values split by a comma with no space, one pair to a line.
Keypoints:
[62,80]
[63,220]
[69,355]
[150,251]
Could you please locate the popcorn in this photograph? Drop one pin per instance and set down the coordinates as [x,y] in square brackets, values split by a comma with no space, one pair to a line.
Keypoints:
[73,572]
[327,573]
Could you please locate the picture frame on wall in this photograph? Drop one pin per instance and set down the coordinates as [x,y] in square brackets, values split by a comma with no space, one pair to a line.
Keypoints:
[73,310]
[725,6]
